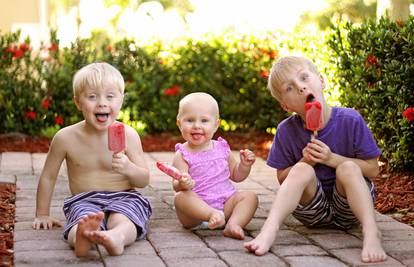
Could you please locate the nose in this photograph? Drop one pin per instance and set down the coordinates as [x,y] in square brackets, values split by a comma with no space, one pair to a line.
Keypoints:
[102,102]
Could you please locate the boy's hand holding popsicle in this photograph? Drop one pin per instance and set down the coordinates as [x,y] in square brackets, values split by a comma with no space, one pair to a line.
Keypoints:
[116,144]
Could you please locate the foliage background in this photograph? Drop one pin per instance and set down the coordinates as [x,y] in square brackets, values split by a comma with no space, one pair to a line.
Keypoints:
[367,67]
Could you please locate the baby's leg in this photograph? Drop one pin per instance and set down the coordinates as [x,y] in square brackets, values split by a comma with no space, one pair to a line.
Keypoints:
[241,207]
[191,210]
[121,232]
[80,235]
[351,184]
[298,187]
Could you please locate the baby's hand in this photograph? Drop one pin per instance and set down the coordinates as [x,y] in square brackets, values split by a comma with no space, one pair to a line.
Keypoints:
[186,182]
[45,222]
[247,157]
[120,162]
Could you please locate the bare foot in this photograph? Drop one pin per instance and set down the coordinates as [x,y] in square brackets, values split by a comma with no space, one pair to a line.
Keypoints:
[216,220]
[262,243]
[88,224]
[372,250]
[112,243]
[234,231]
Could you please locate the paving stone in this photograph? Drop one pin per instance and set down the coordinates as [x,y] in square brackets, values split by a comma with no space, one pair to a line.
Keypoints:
[220,243]
[196,262]
[50,257]
[241,258]
[39,235]
[179,252]
[7,178]
[314,261]
[332,241]
[134,261]
[170,240]
[298,250]
[352,256]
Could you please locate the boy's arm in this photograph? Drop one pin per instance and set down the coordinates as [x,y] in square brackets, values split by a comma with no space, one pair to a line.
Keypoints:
[132,164]
[186,182]
[46,184]
[240,170]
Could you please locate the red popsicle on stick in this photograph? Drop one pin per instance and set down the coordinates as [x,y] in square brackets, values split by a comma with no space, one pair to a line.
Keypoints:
[116,137]
[313,117]
[169,170]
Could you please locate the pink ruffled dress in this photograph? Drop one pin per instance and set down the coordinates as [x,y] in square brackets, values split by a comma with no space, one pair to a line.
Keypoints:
[210,171]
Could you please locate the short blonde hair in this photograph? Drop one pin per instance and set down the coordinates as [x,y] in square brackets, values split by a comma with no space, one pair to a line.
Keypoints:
[278,73]
[95,75]
[199,97]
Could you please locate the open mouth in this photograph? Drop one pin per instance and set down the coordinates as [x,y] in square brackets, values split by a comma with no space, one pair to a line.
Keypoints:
[102,117]
[310,98]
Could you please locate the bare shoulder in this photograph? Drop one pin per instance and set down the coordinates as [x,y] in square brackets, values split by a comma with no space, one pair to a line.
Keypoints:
[131,132]
[66,135]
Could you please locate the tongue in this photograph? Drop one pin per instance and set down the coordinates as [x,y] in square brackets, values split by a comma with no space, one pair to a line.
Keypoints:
[101,118]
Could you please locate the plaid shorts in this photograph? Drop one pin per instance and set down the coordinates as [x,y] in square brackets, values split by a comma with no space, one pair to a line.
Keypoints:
[323,211]
[129,203]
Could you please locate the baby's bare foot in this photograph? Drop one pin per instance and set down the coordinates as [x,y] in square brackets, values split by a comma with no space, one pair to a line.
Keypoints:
[216,220]
[372,250]
[234,231]
[86,226]
[112,243]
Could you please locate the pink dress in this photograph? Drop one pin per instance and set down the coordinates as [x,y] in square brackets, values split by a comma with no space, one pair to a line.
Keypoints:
[210,171]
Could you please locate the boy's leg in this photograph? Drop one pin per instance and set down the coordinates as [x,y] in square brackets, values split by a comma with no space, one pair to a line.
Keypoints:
[241,208]
[351,184]
[191,210]
[298,187]
[79,235]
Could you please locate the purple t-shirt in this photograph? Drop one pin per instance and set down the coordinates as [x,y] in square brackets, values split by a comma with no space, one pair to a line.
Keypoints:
[346,134]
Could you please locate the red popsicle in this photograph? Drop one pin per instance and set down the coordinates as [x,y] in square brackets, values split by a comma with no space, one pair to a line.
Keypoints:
[116,137]
[170,170]
[313,116]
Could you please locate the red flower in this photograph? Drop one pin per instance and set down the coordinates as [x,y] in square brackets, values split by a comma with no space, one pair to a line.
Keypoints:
[371,84]
[59,120]
[18,53]
[272,54]
[264,74]
[46,103]
[53,47]
[24,47]
[31,115]
[9,50]
[399,22]
[161,61]
[108,48]
[371,61]
[409,114]
[173,91]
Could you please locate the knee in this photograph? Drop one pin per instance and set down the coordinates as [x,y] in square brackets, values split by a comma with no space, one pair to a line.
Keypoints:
[251,197]
[180,197]
[303,171]
[347,170]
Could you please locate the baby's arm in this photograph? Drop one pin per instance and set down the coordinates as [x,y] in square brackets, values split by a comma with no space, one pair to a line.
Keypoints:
[321,153]
[186,182]
[132,163]
[47,182]
[240,170]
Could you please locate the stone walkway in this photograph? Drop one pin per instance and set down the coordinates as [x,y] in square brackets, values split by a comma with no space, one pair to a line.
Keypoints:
[168,244]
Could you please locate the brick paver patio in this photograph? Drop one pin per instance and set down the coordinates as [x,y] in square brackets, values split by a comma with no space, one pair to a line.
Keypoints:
[168,244]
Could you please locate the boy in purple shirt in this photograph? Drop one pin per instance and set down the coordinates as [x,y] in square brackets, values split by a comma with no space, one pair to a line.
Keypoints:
[325,180]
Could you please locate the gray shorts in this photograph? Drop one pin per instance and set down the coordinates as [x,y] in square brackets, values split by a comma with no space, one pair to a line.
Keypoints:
[323,211]
[129,203]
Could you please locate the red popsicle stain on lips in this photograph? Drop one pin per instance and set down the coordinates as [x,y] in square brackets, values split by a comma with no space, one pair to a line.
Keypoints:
[116,137]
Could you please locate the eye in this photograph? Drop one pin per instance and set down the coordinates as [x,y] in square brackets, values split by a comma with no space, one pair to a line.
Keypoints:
[91,97]
[189,120]
[289,88]
[305,77]
[110,96]
[205,120]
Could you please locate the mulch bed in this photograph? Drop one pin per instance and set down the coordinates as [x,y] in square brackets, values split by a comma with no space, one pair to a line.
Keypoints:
[395,190]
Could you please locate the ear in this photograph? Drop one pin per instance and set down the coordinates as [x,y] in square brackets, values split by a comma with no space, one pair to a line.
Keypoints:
[284,107]
[178,123]
[322,80]
[217,124]
[77,103]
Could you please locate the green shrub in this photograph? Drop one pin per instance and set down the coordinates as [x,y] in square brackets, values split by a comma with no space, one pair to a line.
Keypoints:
[376,76]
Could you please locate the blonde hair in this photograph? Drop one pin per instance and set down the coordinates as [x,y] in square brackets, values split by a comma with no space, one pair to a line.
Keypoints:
[199,97]
[280,70]
[95,75]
